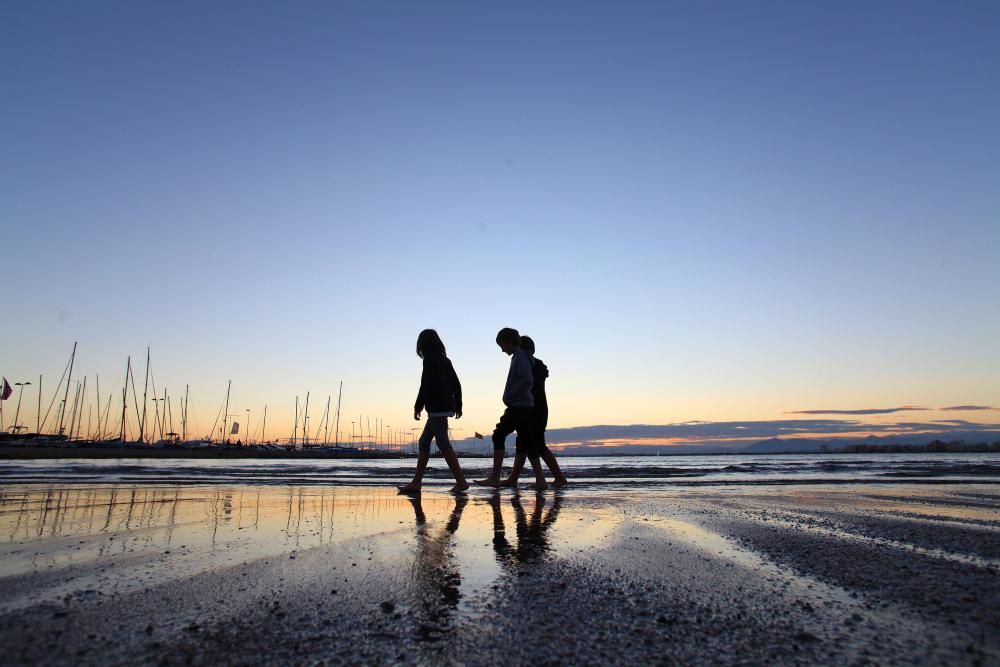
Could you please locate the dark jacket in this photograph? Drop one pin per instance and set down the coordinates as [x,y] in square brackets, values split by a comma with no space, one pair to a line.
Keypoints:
[539,372]
[440,390]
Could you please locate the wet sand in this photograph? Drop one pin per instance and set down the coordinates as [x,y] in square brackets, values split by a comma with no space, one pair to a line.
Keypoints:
[842,574]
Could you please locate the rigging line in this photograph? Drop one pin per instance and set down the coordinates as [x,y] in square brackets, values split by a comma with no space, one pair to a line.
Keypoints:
[107,409]
[214,424]
[54,396]
[260,429]
[190,416]
[322,420]
[135,398]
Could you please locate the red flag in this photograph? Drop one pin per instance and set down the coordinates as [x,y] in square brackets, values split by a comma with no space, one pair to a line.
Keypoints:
[6,391]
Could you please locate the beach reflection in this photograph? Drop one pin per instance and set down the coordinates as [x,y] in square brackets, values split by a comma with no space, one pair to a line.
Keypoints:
[532,532]
[436,574]
[120,538]
[50,528]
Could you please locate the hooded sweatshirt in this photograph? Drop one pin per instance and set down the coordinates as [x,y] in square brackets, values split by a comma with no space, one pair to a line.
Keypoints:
[520,379]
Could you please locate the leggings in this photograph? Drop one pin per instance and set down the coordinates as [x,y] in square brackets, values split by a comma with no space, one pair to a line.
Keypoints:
[436,428]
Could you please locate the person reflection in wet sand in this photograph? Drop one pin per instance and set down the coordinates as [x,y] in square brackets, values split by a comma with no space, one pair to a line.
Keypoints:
[532,538]
[435,572]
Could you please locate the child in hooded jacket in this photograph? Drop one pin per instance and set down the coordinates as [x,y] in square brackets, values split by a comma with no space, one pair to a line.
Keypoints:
[540,372]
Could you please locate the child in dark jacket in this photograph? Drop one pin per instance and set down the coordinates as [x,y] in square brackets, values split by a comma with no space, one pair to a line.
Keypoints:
[518,416]
[541,419]
[441,394]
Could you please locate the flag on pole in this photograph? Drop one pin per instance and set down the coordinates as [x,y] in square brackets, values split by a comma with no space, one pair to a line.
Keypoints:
[6,390]
[235,429]
[479,436]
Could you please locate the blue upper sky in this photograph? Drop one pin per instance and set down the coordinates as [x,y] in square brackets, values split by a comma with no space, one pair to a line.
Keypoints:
[700,210]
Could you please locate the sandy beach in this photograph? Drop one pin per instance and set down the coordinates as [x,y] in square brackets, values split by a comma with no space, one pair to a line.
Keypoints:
[181,574]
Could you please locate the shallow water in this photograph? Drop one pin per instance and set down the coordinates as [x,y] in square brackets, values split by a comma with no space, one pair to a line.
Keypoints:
[129,537]
[614,470]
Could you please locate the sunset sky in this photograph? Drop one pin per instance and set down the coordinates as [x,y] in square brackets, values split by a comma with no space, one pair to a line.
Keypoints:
[712,212]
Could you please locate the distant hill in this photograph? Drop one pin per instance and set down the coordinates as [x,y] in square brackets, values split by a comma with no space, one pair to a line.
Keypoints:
[788,446]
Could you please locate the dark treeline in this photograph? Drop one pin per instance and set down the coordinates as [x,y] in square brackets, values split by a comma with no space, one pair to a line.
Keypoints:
[935,446]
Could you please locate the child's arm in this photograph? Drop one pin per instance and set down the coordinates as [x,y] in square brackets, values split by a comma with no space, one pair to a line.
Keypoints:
[418,405]
[458,390]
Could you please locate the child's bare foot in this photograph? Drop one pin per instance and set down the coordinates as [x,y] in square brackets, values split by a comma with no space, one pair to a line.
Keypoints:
[489,481]
[460,487]
[507,483]
[540,486]
[408,488]
[559,482]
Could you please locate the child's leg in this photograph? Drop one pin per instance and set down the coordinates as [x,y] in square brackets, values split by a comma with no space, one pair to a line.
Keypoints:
[440,427]
[422,457]
[494,478]
[504,427]
[456,470]
[515,470]
[542,422]
[536,466]
[530,437]
[550,461]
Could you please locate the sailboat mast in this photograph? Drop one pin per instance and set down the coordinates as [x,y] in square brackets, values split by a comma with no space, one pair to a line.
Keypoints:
[163,417]
[38,417]
[336,428]
[326,423]
[263,426]
[98,395]
[156,416]
[170,409]
[184,413]
[225,416]
[79,417]
[305,423]
[107,413]
[128,369]
[145,389]
[295,430]
[62,415]
[72,414]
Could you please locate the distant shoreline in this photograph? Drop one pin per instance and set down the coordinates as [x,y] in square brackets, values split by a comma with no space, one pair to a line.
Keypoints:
[29,452]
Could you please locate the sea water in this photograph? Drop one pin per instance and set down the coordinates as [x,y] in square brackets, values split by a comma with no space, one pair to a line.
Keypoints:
[589,470]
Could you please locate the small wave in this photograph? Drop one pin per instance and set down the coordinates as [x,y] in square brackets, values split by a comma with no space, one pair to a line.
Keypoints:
[723,469]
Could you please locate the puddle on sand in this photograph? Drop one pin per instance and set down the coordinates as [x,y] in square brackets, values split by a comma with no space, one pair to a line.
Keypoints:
[473,543]
[116,538]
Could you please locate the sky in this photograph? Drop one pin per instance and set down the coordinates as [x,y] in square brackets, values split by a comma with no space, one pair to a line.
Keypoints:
[714,212]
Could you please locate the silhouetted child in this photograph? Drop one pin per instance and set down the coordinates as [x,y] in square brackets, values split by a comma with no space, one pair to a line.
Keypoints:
[518,416]
[541,416]
[441,394]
